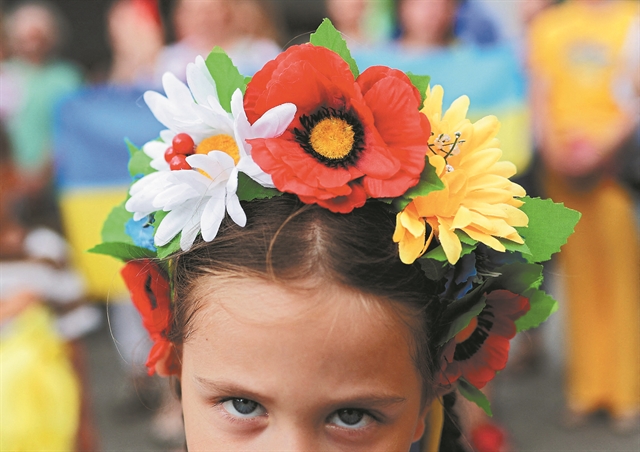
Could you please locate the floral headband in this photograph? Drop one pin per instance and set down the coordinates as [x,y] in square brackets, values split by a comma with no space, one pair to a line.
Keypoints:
[309,123]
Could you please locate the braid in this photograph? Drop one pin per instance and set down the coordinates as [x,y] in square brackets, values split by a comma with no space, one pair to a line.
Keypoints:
[451,440]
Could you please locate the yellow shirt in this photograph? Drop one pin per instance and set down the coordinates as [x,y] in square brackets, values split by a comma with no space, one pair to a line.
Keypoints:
[576,49]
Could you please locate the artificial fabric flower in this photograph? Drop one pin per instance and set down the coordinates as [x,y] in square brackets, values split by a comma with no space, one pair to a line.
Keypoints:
[195,109]
[197,200]
[478,198]
[351,138]
[482,348]
[151,294]
[141,232]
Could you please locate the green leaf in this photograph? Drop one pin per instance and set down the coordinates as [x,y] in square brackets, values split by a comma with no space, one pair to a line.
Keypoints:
[550,225]
[227,77]
[170,248]
[327,36]
[122,251]
[473,394]
[421,82]
[521,248]
[518,277]
[460,307]
[139,162]
[463,321]
[113,229]
[248,189]
[429,181]
[433,269]
[438,252]
[465,239]
[542,306]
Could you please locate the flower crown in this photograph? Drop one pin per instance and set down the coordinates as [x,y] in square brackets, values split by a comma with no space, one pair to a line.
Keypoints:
[308,123]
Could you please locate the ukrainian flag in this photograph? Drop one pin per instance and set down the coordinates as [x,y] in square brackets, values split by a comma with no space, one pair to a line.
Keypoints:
[91,170]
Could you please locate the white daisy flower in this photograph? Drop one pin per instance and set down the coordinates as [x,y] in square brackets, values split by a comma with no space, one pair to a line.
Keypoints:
[197,199]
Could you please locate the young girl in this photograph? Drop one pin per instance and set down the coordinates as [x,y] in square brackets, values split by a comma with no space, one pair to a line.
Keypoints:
[43,397]
[320,255]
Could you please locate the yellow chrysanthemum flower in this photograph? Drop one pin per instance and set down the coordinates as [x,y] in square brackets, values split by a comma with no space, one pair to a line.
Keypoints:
[478,197]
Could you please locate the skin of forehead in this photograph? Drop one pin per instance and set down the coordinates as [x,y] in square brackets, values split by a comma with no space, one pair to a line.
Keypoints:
[304,348]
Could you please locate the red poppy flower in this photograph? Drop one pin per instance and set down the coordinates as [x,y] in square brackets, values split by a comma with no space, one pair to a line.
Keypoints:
[351,138]
[482,349]
[151,295]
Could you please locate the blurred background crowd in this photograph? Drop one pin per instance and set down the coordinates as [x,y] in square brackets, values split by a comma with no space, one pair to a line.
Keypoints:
[562,76]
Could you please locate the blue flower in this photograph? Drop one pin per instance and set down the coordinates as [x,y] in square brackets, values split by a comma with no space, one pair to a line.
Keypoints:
[141,232]
[460,278]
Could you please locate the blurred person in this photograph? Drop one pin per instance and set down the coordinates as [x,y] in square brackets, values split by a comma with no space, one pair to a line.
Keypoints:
[44,403]
[348,16]
[465,22]
[136,36]
[34,32]
[426,24]
[9,83]
[202,25]
[91,155]
[256,35]
[584,114]
[363,23]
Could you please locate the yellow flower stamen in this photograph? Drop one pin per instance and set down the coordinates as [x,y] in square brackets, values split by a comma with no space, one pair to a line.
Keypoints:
[332,138]
[222,142]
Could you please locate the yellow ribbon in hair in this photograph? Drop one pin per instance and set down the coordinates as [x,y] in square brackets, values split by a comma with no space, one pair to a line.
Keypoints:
[435,421]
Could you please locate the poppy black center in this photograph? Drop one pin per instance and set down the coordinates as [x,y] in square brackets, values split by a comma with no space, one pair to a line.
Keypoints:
[466,349]
[334,137]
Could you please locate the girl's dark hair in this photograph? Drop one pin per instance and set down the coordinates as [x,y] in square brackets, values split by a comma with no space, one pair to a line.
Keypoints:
[286,241]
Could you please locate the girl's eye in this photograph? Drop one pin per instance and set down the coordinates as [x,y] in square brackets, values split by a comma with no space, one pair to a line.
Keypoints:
[351,418]
[243,408]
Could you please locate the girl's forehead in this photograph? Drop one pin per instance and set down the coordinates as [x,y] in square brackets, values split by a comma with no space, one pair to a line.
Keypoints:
[254,301]
[262,331]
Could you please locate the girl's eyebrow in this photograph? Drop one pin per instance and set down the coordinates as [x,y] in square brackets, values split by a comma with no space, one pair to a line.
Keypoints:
[372,399]
[229,388]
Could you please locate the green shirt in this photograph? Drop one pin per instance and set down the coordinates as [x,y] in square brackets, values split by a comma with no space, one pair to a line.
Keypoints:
[30,125]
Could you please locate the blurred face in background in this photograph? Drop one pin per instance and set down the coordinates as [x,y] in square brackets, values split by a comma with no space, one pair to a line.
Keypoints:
[347,14]
[132,30]
[203,23]
[427,22]
[33,33]
[253,19]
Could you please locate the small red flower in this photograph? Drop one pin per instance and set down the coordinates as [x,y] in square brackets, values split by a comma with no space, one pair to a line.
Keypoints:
[482,349]
[350,140]
[151,295]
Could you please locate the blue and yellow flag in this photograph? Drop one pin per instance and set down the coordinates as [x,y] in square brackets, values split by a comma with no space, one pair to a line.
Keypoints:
[91,170]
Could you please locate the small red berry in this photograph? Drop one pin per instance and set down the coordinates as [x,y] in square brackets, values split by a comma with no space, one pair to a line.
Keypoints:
[169,154]
[179,162]
[183,144]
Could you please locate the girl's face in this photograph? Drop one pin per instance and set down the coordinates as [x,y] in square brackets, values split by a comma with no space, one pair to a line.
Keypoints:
[269,368]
